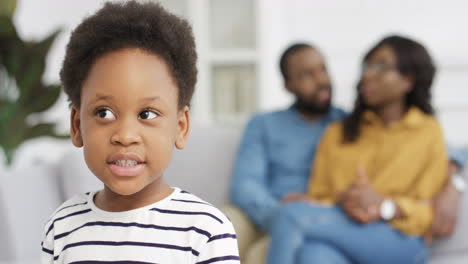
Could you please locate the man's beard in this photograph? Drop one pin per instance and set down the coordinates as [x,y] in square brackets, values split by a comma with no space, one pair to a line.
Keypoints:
[311,106]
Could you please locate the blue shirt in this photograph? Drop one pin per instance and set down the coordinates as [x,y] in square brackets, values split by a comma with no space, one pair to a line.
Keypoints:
[274,159]
[458,155]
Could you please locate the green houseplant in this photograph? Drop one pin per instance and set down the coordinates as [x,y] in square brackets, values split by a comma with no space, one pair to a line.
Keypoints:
[22,92]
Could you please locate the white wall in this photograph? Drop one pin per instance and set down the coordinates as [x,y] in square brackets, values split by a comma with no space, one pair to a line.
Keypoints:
[345,30]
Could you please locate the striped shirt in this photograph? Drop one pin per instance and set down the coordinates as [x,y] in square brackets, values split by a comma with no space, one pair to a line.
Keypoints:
[181,228]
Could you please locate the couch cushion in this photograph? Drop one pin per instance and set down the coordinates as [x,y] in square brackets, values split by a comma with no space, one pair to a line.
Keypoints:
[6,250]
[75,176]
[452,258]
[458,242]
[204,166]
[30,195]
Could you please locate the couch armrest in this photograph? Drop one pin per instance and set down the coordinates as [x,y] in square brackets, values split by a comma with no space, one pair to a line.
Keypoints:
[246,231]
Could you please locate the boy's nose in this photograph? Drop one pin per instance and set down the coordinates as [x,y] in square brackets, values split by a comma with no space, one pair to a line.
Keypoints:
[126,135]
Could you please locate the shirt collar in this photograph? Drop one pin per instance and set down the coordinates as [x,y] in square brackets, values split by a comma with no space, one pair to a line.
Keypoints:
[413,118]
[331,115]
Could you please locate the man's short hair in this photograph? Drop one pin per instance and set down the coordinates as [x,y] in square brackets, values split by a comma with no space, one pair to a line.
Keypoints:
[288,52]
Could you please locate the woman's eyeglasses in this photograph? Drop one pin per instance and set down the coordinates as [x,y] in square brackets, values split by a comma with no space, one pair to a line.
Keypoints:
[377,67]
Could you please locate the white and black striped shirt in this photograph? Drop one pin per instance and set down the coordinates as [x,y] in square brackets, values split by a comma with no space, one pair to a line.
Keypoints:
[181,228]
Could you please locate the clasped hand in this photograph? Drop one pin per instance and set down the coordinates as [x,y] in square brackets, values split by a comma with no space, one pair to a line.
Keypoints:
[360,201]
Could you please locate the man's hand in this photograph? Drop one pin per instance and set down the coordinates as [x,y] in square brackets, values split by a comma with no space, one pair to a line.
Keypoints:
[360,201]
[445,205]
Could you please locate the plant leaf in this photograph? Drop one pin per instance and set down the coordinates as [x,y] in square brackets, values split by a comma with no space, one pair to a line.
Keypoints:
[43,46]
[7,8]
[39,130]
[7,29]
[44,100]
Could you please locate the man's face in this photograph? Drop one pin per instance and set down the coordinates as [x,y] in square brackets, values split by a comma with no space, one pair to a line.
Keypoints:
[308,80]
[129,121]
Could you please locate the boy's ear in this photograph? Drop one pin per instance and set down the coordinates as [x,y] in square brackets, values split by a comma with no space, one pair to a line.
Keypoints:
[75,125]
[183,127]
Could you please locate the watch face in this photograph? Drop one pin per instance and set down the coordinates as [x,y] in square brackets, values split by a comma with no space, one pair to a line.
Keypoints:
[459,183]
[387,210]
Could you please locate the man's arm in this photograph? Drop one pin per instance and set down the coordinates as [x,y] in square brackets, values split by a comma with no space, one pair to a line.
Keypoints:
[447,200]
[249,187]
[459,156]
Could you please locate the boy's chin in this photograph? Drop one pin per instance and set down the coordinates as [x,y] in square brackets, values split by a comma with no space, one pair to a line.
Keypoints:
[124,190]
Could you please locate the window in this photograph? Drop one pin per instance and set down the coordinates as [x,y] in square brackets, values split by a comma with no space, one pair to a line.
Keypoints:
[225,32]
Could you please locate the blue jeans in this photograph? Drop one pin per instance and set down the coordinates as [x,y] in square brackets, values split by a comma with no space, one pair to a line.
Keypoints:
[306,234]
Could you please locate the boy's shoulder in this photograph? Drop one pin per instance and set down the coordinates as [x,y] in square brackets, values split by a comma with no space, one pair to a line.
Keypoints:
[76,204]
[184,200]
[219,237]
[204,213]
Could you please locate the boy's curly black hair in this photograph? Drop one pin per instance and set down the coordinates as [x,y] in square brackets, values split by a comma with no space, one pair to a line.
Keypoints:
[147,26]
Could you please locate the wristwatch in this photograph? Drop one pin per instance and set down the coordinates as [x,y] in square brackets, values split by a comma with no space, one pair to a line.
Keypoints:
[387,209]
[458,183]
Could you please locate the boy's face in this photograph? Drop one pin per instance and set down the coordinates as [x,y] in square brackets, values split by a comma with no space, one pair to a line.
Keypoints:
[129,121]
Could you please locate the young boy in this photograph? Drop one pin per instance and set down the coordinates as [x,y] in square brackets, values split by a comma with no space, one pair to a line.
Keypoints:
[129,72]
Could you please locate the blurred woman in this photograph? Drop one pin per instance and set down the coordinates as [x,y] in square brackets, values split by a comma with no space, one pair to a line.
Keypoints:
[374,173]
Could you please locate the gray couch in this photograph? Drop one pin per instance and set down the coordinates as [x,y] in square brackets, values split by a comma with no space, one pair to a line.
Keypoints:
[29,193]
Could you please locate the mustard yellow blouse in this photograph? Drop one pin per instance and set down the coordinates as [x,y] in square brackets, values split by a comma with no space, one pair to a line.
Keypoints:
[405,161]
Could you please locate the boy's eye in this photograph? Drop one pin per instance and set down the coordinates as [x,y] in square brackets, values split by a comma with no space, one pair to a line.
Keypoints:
[147,114]
[105,114]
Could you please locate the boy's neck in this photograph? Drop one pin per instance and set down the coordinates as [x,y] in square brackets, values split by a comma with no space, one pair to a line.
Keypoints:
[110,201]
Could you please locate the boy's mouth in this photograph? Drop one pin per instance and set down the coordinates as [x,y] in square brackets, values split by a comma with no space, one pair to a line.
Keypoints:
[126,164]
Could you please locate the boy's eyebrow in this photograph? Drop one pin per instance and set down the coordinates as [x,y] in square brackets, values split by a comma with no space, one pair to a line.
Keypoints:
[100,97]
[152,98]
[110,97]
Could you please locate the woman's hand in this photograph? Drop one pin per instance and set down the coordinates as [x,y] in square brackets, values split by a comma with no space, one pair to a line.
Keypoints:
[360,201]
